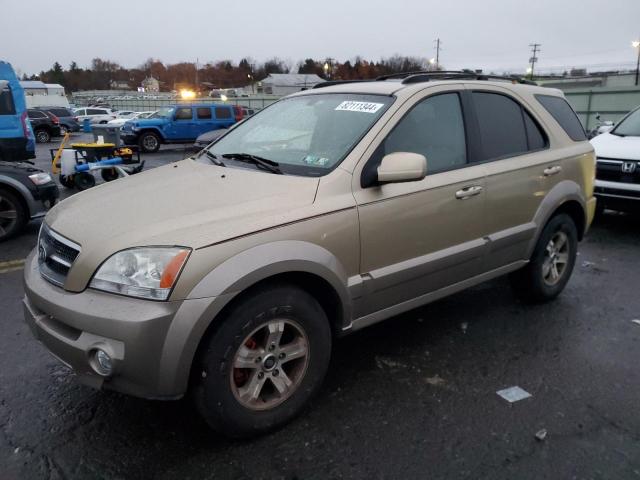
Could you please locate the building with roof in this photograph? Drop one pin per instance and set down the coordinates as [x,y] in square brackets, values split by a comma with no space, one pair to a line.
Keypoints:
[151,84]
[286,83]
[38,94]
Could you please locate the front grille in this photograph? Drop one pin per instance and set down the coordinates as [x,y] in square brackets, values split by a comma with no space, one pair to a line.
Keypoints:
[612,170]
[56,255]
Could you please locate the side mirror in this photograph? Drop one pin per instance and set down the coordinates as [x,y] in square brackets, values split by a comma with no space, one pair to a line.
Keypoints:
[402,167]
[597,116]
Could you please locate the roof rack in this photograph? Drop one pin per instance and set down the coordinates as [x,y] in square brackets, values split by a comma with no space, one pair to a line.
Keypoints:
[330,83]
[417,77]
[426,76]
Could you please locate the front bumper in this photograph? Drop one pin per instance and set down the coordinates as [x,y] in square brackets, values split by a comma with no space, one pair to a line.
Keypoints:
[128,137]
[45,197]
[618,195]
[132,331]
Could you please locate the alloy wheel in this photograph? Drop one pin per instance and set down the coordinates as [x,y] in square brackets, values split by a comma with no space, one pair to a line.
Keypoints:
[8,215]
[556,258]
[270,364]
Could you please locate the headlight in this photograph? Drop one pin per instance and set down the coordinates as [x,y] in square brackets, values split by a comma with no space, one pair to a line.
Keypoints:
[40,178]
[141,272]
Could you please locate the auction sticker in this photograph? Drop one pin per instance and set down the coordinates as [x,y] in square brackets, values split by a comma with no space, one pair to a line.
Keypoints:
[366,107]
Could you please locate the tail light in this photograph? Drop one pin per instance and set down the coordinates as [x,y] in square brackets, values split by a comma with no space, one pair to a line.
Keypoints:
[25,127]
[238,111]
[55,119]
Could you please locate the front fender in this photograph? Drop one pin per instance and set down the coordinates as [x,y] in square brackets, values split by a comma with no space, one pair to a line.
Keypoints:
[229,279]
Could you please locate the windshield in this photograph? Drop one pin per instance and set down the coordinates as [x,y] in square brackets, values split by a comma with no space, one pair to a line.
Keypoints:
[163,112]
[307,135]
[629,126]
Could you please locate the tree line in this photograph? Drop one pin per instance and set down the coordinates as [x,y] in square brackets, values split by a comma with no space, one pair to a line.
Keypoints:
[105,74]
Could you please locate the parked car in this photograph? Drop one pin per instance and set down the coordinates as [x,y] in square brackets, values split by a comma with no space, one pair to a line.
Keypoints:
[26,193]
[45,125]
[178,124]
[96,114]
[17,141]
[326,212]
[125,114]
[122,120]
[67,118]
[618,169]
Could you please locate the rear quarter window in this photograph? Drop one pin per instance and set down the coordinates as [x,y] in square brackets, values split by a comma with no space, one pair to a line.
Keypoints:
[7,107]
[562,112]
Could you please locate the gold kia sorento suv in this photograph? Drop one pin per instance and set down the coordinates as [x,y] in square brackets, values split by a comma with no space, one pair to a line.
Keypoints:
[229,274]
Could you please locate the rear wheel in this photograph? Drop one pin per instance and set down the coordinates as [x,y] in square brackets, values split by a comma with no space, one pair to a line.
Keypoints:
[13,215]
[109,174]
[265,361]
[43,136]
[149,142]
[551,264]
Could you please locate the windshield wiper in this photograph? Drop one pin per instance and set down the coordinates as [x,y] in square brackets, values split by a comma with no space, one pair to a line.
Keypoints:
[213,158]
[264,163]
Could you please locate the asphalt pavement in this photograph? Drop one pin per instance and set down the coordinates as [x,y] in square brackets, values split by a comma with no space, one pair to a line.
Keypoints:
[412,397]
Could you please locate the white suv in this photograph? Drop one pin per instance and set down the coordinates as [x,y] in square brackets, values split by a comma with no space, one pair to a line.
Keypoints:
[95,114]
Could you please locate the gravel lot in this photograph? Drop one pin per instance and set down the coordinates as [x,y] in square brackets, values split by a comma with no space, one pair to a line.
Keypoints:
[413,397]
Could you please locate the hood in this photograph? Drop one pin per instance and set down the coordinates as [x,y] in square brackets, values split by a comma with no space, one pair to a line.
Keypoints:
[612,146]
[144,122]
[185,203]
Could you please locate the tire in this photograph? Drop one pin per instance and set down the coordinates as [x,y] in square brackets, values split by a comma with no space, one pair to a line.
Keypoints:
[103,122]
[42,136]
[149,142]
[67,181]
[536,283]
[242,338]
[109,174]
[13,214]
[84,180]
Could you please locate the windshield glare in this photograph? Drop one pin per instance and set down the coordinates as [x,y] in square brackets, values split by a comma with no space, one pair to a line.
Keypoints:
[630,126]
[163,112]
[307,135]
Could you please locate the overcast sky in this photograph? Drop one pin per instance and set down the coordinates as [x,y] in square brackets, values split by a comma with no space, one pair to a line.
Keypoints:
[488,34]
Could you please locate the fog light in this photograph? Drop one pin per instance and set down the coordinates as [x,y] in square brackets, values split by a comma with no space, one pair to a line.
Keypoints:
[102,362]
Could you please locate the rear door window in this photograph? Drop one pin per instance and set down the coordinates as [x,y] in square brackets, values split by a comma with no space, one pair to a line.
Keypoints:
[562,112]
[95,111]
[223,113]
[183,113]
[7,107]
[501,125]
[60,112]
[204,113]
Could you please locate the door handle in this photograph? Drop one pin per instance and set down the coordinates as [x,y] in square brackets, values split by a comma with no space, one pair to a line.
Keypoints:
[552,170]
[468,192]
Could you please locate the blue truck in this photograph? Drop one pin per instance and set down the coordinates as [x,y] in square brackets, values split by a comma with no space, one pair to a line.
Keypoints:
[17,141]
[178,124]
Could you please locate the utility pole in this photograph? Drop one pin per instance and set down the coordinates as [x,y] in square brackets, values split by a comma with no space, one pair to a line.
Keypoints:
[197,87]
[636,45]
[437,40]
[534,57]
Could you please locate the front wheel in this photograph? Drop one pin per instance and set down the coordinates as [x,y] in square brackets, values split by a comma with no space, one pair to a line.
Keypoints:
[149,142]
[13,215]
[266,360]
[551,264]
